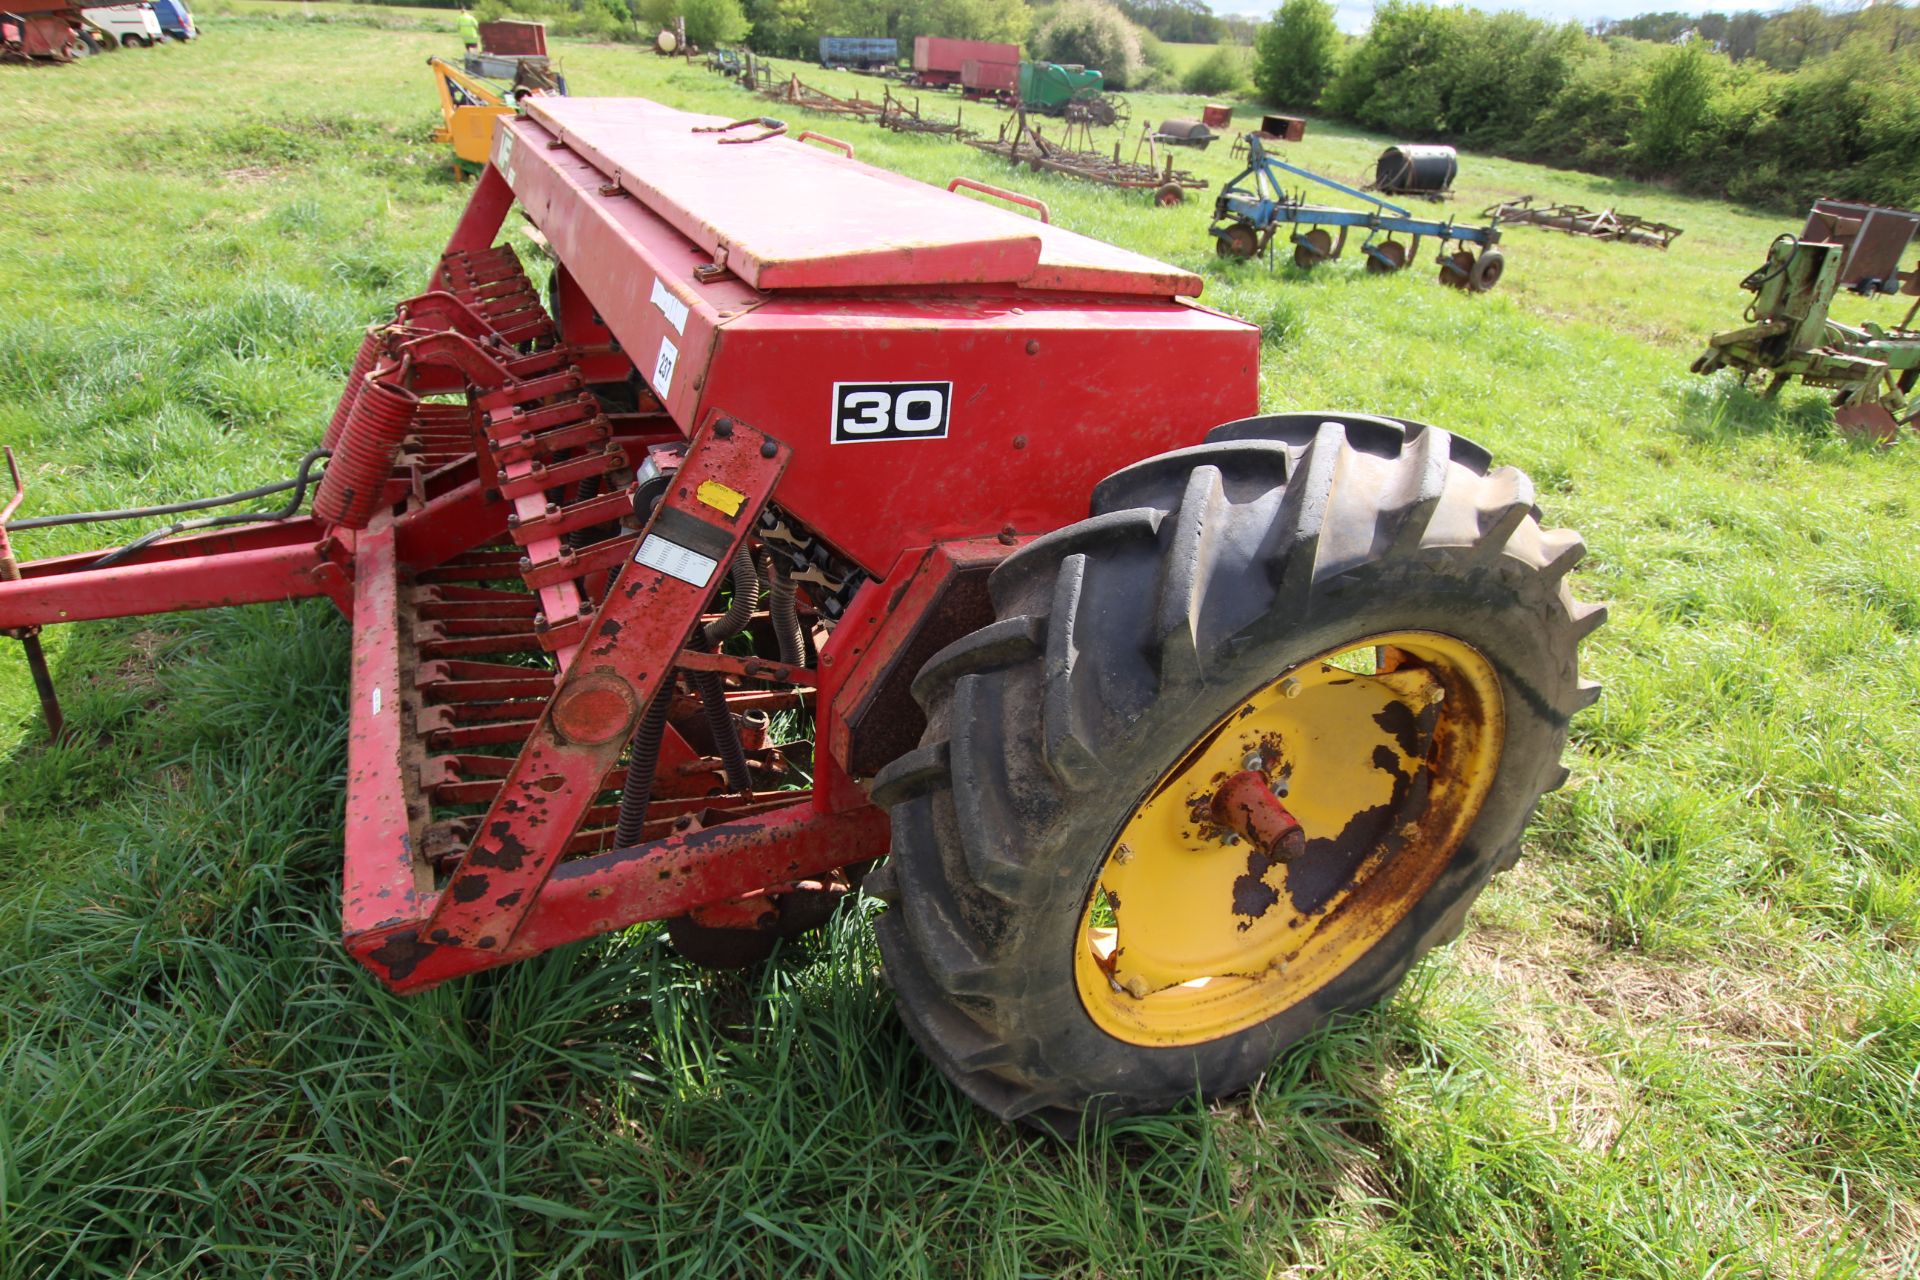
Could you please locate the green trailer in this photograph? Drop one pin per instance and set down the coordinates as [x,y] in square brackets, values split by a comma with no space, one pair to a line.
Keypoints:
[1049,87]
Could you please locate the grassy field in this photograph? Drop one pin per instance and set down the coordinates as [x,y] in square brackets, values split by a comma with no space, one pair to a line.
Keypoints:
[1682,1038]
[1186,57]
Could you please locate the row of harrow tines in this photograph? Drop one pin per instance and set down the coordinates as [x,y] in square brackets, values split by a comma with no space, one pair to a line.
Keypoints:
[1020,142]
[469,387]
[1578,220]
[895,113]
[902,116]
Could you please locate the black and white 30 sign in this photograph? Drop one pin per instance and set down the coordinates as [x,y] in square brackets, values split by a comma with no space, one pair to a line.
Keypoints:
[890,411]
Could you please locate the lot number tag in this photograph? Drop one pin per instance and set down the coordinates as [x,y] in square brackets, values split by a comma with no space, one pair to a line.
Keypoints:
[864,411]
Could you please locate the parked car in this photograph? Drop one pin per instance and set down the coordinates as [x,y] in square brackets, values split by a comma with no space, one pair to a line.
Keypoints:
[126,25]
[176,19]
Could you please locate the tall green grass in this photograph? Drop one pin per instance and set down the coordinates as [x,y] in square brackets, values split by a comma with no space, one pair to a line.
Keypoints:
[1679,1040]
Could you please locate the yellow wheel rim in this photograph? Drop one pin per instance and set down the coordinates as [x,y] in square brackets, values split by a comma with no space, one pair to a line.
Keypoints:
[1381,751]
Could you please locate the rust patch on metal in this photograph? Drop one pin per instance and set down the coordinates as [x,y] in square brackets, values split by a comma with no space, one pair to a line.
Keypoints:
[507,857]
[1330,862]
[401,954]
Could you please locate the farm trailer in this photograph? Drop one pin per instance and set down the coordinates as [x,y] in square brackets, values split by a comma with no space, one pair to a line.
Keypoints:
[1181,729]
[41,31]
[859,52]
[940,61]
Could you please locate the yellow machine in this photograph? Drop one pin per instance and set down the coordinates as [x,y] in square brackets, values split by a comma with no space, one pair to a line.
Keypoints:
[469,106]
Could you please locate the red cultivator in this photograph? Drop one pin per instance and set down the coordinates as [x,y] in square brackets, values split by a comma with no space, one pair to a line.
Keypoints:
[650,584]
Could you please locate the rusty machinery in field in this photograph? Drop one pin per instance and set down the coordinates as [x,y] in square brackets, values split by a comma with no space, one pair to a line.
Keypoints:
[1872,371]
[1578,220]
[902,116]
[1255,209]
[42,31]
[859,522]
[1073,155]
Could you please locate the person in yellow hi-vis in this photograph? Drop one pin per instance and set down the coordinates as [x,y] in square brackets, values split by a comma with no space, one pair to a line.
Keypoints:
[469,31]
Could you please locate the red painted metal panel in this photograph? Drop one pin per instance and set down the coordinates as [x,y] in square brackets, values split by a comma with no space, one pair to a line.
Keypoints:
[1045,402]
[642,283]
[882,624]
[849,230]
[1085,386]
[857,227]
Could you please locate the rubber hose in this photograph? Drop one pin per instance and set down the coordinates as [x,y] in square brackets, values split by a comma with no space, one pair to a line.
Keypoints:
[636,789]
[746,598]
[713,694]
[786,616]
[643,756]
[726,734]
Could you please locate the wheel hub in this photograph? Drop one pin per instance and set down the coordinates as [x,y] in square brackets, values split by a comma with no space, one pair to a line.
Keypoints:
[1289,839]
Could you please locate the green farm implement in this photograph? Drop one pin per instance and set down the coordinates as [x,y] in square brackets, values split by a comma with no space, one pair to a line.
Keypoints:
[1872,371]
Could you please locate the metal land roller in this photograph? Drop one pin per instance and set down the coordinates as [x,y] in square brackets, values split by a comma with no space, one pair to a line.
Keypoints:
[810,525]
[1416,171]
[1184,133]
[1252,209]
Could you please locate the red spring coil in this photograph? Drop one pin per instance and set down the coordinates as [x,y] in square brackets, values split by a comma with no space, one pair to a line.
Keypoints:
[362,365]
[356,475]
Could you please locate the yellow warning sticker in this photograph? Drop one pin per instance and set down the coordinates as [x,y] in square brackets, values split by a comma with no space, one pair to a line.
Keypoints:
[720,497]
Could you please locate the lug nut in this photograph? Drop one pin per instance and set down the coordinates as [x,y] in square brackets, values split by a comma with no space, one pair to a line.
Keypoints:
[1290,687]
[1123,854]
[1137,987]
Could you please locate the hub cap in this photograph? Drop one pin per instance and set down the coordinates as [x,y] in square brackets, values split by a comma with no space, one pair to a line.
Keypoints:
[1289,839]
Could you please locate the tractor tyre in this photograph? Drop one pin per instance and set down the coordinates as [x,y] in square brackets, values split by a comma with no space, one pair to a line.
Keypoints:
[1357,615]
[107,42]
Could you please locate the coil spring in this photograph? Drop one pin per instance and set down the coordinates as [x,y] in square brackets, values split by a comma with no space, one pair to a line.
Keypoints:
[362,366]
[356,476]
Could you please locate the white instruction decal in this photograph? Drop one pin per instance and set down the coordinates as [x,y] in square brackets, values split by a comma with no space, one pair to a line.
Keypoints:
[663,368]
[503,156]
[376,699]
[671,307]
[675,560]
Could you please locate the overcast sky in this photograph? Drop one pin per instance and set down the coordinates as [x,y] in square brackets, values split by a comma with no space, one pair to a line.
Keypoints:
[1354,15]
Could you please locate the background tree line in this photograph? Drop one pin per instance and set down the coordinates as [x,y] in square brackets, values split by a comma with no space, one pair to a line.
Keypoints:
[1818,103]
